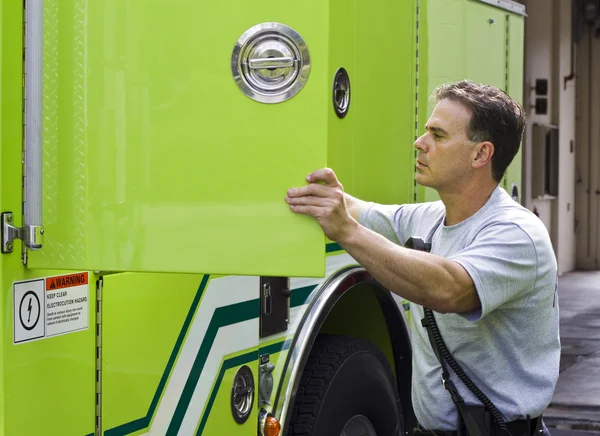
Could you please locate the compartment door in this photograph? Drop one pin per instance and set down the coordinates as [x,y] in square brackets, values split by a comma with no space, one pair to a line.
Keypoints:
[516,39]
[169,359]
[154,160]
[496,37]
[485,44]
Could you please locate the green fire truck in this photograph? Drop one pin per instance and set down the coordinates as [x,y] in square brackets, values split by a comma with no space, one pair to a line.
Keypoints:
[154,281]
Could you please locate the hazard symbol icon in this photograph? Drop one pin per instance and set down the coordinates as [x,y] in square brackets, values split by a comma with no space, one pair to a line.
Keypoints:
[28,311]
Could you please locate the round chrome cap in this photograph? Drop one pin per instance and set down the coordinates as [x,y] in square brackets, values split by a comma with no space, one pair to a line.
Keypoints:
[341,93]
[270,63]
[242,394]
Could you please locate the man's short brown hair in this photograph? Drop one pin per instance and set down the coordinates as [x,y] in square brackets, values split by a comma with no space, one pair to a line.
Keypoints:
[495,117]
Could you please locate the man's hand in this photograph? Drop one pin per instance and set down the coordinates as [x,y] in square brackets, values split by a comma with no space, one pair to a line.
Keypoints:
[325,202]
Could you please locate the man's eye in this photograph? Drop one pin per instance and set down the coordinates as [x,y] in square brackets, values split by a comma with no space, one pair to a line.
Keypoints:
[436,136]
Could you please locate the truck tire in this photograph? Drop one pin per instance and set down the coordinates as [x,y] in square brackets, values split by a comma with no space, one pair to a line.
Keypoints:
[346,389]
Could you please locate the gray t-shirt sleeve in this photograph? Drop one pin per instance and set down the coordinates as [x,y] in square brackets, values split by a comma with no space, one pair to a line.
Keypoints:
[502,262]
[398,223]
[383,219]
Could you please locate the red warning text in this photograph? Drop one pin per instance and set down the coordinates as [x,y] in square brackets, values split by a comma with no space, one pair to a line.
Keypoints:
[66,281]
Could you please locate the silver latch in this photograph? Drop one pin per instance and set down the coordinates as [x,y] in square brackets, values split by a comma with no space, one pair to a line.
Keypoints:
[261,64]
[32,236]
[270,63]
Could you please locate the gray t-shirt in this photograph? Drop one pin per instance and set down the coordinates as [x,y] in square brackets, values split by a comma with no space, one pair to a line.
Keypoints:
[511,347]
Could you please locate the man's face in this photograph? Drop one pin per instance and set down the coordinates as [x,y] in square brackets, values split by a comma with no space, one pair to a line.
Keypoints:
[444,150]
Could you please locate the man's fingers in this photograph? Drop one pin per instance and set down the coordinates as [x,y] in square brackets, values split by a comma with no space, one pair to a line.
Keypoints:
[325,174]
[313,189]
[308,200]
[305,209]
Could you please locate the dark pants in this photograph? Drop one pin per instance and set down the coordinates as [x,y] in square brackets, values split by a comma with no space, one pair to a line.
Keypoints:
[420,431]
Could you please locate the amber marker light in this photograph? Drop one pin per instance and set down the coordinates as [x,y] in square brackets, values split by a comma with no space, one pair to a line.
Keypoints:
[272,427]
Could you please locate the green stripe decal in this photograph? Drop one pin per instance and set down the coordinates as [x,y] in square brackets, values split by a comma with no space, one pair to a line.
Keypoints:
[333,246]
[144,422]
[232,363]
[300,295]
[223,316]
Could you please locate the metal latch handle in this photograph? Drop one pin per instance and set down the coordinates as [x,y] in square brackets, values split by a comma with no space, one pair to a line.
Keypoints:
[263,63]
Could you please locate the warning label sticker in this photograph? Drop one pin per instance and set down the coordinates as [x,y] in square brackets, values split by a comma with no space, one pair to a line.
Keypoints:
[61,282]
[51,306]
[66,303]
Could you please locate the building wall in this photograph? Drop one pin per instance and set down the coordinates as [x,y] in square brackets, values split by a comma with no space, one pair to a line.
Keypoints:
[566,121]
[587,212]
[548,56]
[538,65]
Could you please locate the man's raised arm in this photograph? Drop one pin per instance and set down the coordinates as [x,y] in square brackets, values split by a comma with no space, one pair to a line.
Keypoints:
[355,206]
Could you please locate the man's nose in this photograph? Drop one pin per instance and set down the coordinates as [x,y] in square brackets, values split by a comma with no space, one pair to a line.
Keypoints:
[421,144]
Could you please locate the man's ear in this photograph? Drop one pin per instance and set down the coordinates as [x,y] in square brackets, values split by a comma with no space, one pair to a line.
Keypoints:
[483,154]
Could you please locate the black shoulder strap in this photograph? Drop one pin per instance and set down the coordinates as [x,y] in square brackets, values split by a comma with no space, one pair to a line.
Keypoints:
[472,416]
[465,412]
[425,322]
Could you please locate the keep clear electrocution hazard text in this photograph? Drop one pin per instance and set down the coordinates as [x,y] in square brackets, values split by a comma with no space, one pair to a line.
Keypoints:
[50,306]
[66,303]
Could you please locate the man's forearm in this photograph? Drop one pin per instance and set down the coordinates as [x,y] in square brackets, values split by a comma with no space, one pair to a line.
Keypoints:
[423,278]
[355,206]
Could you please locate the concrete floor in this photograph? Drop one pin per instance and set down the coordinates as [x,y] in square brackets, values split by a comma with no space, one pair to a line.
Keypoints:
[576,401]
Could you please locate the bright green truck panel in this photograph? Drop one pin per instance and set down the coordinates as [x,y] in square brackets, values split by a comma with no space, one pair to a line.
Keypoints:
[371,148]
[145,318]
[164,341]
[484,43]
[156,161]
[442,57]
[516,36]
[216,419]
[47,386]
[444,49]
[468,40]
[219,421]
[341,132]
[384,101]
[504,35]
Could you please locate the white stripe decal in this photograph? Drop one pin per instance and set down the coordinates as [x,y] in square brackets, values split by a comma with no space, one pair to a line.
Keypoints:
[230,339]
[220,292]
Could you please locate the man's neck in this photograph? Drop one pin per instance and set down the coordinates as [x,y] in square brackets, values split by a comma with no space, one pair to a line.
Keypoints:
[462,204]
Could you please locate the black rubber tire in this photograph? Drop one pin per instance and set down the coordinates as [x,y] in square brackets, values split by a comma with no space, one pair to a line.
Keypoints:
[345,377]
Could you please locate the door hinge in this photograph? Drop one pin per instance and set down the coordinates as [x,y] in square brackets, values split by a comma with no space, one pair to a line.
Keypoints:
[417,84]
[99,285]
[32,232]
[506,53]
[31,235]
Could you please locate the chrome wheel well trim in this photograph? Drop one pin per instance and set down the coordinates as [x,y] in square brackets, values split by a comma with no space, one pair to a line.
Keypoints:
[302,343]
[319,307]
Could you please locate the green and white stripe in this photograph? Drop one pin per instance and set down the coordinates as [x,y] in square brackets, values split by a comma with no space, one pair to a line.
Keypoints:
[223,320]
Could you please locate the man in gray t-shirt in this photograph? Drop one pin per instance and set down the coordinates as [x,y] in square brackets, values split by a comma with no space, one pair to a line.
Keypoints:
[510,345]
[491,275]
